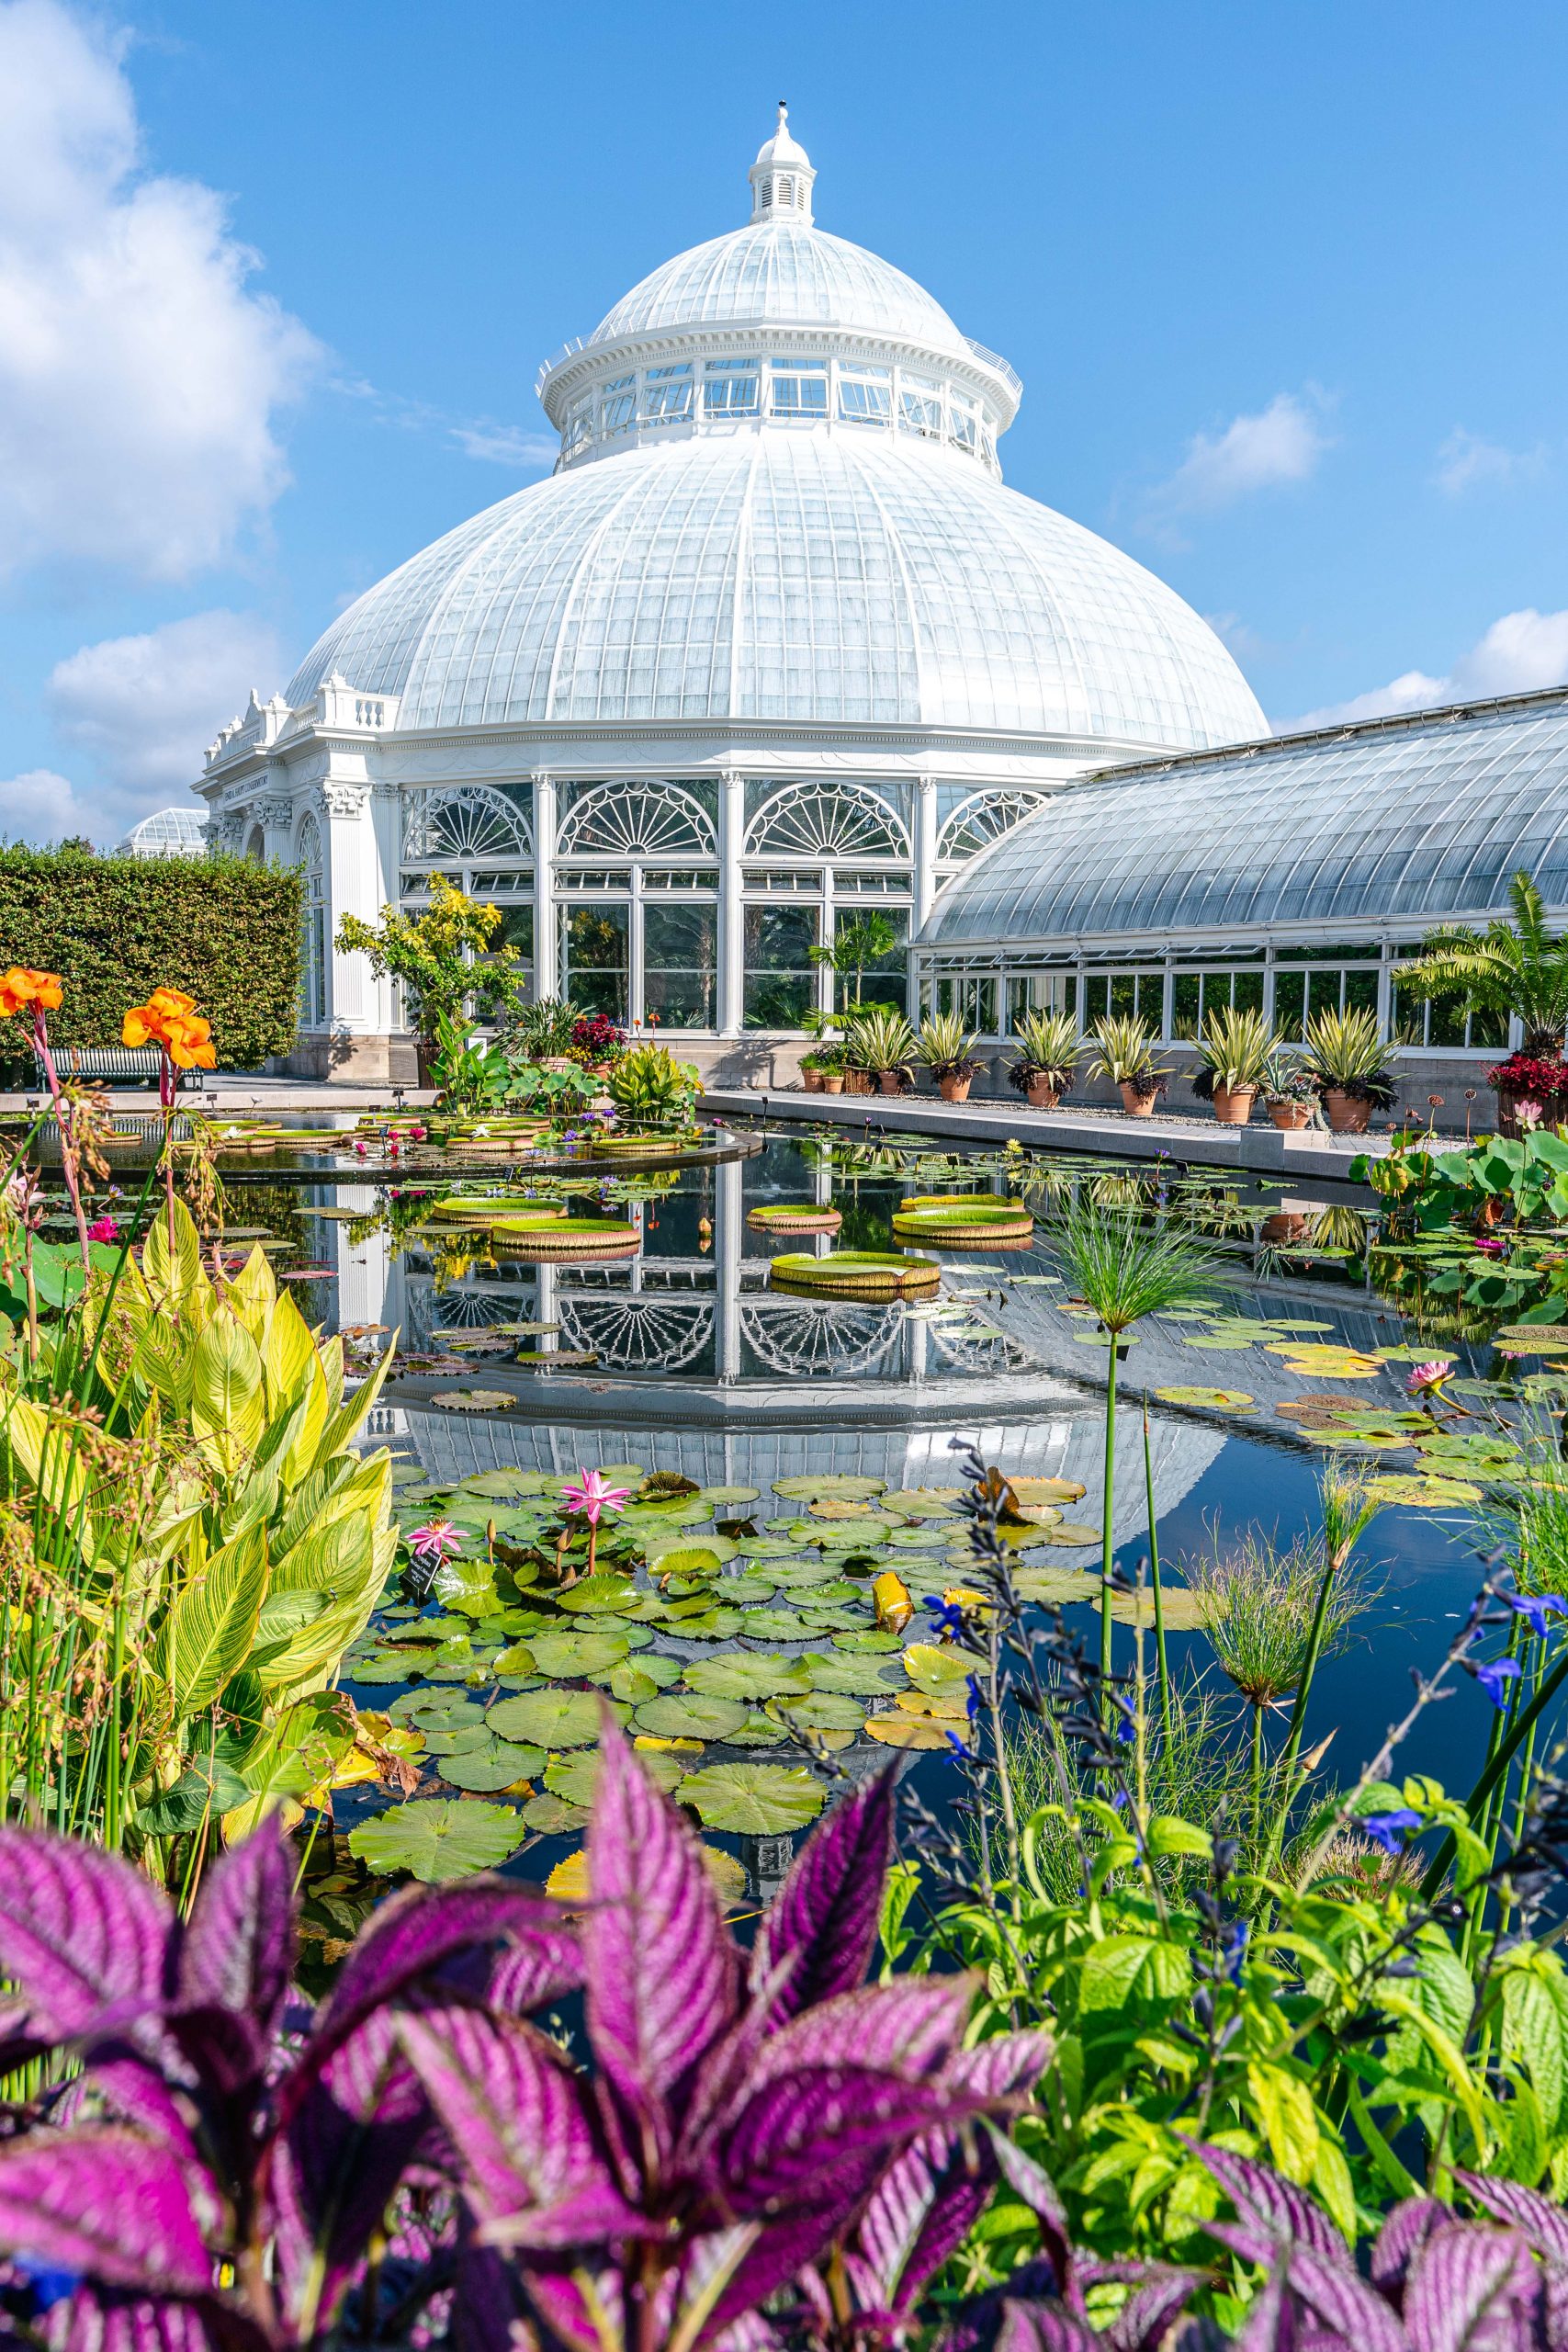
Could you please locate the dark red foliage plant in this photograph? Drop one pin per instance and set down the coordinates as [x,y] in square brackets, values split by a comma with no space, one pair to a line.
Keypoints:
[420,2162]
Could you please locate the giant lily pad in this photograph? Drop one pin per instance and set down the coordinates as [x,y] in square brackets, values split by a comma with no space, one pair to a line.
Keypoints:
[550,1718]
[932,1667]
[1216,1400]
[860,1676]
[680,1558]
[643,1677]
[471,1400]
[831,1486]
[552,1816]
[902,1730]
[602,1595]
[748,1675]
[752,1799]
[576,1778]
[821,1711]
[681,1715]
[1424,1494]
[491,1764]
[1068,1534]
[562,1655]
[437,1839]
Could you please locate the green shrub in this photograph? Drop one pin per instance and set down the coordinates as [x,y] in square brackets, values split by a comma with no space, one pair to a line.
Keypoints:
[224,928]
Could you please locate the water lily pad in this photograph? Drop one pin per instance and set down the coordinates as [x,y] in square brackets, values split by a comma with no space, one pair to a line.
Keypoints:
[748,1675]
[713,1625]
[679,1559]
[835,1485]
[932,1665]
[731,1495]
[916,1538]
[741,1591]
[492,1764]
[437,1839]
[562,1655]
[1217,1400]
[1050,1587]
[872,1641]
[1067,1532]
[681,1714]
[901,1730]
[760,1730]
[435,1711]
[838,1619]
[1184,1612]
[821,1711]
[803,1576]
[1424,1494]
[601,1595]
[576,1778]
[397,1667]
[1326,1361]
[552,1816]
[550,1718]
[922,1502]
[752,1799]
[860,1676]
[473,1400]
[569,1881]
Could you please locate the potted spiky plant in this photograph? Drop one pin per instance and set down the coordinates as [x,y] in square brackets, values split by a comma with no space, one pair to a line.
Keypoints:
[1347,1061]
[1126,1055]
[1233,1055]
[947,1049]
[880,1040]
[1049,1049]
[1289,1091]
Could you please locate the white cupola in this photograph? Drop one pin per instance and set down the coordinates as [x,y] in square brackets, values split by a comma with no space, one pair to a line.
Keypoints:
[781,177]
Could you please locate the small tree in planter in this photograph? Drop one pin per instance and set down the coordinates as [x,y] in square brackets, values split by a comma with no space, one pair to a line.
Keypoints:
[432,956]
[1049,1049]
[1290,1092]
[880,1040]
[1234,1054]
[857,944]
[1126,1055]
[947,1049]
[1519,969]
[1347,1061]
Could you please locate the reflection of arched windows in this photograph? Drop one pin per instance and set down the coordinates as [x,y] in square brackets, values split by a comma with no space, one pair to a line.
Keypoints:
[255,845]
[983,818]
[637,820]
[465,822]
[313,957]
[827,820]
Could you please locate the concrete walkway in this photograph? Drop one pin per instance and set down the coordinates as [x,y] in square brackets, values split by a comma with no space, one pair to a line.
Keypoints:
[1308,1152]
[229,1091]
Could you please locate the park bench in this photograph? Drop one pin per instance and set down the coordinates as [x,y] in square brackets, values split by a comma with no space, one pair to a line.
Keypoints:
[113,1062]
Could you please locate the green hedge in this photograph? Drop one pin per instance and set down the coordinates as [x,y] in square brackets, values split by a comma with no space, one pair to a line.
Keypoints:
[224,928]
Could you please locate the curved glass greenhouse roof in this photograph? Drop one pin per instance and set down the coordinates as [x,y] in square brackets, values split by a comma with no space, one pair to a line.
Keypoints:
[1400,821]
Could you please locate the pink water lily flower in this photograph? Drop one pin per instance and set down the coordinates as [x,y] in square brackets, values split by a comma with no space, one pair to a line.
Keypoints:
[1527,1113]
[1425,1379]
[438,1542]
[589,1494]
[103,1229]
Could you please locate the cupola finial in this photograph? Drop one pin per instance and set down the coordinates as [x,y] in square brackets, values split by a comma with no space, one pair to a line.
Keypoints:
[781,177]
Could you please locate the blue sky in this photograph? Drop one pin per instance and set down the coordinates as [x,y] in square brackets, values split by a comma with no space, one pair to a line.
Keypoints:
[1284,286]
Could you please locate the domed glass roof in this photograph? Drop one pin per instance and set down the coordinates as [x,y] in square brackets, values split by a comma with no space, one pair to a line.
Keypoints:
[804,577]
[776,273]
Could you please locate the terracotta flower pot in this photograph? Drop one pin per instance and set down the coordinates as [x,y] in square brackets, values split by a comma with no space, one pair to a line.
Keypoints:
[1232,1105]
[1136,1105]
[1042,1095]
[956,1089]
[1348,1114]
[811,1079]
[832,1081]
[1290,1116]
[1287,1225]
[890,1081]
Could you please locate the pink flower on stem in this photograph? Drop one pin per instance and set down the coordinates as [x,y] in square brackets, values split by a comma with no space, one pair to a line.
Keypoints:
[432,1545]
[1526,1115]
[1490,1245]
[103,1229]
[1426,1379]
[588,1496]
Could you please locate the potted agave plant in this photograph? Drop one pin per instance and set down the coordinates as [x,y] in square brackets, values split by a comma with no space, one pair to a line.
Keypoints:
[1347,1061]
[1047,1057]
[1233,1057]
[1290,1093]
[880,1040]
[1126,1055]
[947,1049]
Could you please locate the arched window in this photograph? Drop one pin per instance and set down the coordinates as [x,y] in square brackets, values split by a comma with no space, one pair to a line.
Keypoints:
[983,818]
[313,943]
[462,822]
[255,846]
[828,821]
[637,820]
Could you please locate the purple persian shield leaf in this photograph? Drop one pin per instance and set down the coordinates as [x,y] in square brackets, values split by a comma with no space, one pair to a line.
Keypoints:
[821,1927]
[759,2258]
[1342,2301]
[421,1928]
[488,2311]
[566,2312]
[81,1932]
[1275,2323]
[1403,2232]
[134,2092]
[749,2332]
[661,1964]
[520,2127]
[104,2205]
[1271,2210]
[1470,2289]
[539,1968]
[913,2026]
[1043,2327]
[1543,2223]
[1033,2187]
[1145,2319]
[239,1947]
[820,2137]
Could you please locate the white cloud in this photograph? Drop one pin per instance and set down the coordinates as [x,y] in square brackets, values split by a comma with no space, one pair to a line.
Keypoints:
[1281,443]
[139,378]
[507,444]
[1465,462]
[144,708]
[1518,653]
[40,806]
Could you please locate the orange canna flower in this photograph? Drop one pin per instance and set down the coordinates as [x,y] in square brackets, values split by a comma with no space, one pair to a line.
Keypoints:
[169,1018]
[19,987]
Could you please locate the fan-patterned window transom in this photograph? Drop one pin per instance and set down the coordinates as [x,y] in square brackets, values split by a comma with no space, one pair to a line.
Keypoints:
[983,818]
[638,820]
[828,821]
[464,822]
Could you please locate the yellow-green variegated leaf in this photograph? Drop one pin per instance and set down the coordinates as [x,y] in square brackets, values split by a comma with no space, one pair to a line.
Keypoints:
[42,1451]
[334,1558]
[176,1279]
[305,1447]
[252,1292]
[210,1625]
[227,1409]
[287,1350]
[348,1420]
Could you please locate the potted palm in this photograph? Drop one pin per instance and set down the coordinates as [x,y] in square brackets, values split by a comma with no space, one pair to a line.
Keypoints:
[947,1049]
[1233,1058]
[880,1040]
[1519,969]
[1346,1059]
[1047,1057]
[1289,1091]
[1126,1055]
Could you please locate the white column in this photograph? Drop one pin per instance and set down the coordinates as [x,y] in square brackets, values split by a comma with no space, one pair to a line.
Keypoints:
[387,826]
[731,917]
[547,961]
[727,1212]
[636,995]
[349,840]
[925,848]
[274,813]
